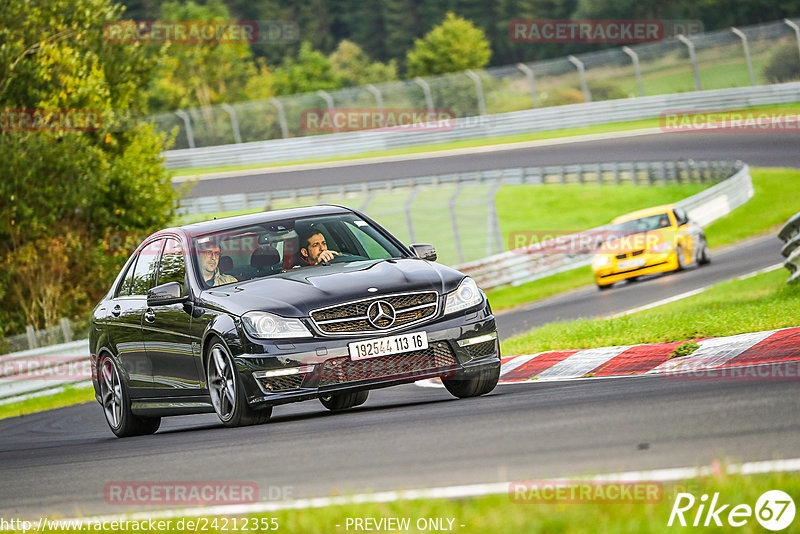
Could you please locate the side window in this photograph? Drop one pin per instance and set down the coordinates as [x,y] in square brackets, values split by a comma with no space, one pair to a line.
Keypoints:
[373,249]
[144,273]
[172,267]
[124,287]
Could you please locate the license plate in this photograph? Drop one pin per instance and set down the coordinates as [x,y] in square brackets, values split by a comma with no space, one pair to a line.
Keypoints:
[631,264]
[383,346]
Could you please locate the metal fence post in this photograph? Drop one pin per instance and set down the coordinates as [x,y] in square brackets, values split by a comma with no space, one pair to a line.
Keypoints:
[329,101]
[743,37]
[796,29]
[636,67]
[237,138]
[693,58]
[187,122]
[451,205]
[531,83]
[407,208]
[493,222]
[31,334]
[587,96]
[378,97]
[478,90]
[66,330]
[281,116]
[427,90]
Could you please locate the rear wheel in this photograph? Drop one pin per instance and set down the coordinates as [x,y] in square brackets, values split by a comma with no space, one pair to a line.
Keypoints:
[342,401]
[603,288]
[227,393]
[681,259]
[116,403]
[482,383]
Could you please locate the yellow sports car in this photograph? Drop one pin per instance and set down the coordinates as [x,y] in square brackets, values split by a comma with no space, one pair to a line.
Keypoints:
[649,241]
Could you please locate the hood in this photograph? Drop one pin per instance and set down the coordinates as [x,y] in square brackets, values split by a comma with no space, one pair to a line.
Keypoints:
[297,292]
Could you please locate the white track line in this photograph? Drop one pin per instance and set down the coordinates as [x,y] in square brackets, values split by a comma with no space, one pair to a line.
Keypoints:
[446,492]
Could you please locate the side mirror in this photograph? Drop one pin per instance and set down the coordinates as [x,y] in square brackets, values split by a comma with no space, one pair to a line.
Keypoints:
[426,252]
[169,293]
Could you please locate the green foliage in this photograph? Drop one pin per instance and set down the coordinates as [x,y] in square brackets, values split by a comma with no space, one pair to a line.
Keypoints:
[354,67]
[455,45]
[310,71]
[63,190]
[784,65]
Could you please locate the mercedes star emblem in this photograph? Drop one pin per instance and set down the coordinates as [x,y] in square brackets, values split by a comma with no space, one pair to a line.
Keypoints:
[381,314]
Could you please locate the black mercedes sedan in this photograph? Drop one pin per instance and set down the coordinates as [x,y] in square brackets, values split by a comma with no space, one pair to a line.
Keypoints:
[237,315]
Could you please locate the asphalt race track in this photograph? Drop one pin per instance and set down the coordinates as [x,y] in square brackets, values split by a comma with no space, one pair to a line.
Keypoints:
[404,437]
[756,149]
[58,462]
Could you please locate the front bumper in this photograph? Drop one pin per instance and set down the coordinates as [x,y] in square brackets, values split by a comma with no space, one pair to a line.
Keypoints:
[653,264]
[458,346]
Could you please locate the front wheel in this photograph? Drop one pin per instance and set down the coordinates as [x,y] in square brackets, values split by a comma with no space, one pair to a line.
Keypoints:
[681,259]
[342,401]
[481,384]
[705,254]
[227,392]
[116,402]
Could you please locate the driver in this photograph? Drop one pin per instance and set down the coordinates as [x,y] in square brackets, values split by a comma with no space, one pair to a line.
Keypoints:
[314,248]
[209,267]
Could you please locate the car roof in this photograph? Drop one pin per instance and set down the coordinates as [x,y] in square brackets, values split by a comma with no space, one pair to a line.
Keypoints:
[647,212]
[226,223]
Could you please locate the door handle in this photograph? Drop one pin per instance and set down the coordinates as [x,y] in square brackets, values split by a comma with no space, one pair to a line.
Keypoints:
[149,315]
[116,310]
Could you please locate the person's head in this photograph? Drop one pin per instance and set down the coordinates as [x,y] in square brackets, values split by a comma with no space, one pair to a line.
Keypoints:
[209,259]
[312,244]
[663,221]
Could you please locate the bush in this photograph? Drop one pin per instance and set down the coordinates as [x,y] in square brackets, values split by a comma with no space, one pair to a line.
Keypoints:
[784,65]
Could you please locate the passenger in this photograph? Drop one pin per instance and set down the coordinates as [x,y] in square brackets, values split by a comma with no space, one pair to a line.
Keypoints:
[314,249]
[208,257]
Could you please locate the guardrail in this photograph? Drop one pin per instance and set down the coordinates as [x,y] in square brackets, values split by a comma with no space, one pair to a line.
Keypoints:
[524,264]
[501,124]
[790,234]
[29,372]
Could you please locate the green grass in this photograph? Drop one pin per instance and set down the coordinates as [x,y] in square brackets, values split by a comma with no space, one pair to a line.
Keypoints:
[466,143]
[762,302]
[500,514]
[68,397]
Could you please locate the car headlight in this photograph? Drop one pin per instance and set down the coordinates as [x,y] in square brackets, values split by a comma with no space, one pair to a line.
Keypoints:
[600,260]
[265,325]
[465,296]
[664,246]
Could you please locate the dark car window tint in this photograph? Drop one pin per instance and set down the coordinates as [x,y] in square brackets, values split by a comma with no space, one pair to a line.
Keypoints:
[172,267]
[124,287]
[145,267]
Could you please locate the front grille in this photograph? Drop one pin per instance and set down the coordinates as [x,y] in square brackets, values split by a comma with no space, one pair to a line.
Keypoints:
[281,383]
[621,256]
[637,252]
[479,350]
[343,370]
[351,317]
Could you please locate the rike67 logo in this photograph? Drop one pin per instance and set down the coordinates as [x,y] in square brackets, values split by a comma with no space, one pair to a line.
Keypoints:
[774,510]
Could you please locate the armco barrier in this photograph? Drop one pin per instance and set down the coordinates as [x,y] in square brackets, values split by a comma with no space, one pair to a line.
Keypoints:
[790,234]
[517,266]
[31,371]
[517,122]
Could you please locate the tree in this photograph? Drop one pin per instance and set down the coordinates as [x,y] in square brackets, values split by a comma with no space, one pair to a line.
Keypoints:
[353,66]
[454,45]
[65,188]
[310,71]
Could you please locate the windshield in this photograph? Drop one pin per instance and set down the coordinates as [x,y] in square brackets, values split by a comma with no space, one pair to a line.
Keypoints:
[645,224]
[268,249]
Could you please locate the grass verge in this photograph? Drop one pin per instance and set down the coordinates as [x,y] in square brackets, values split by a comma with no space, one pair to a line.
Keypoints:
[71,395]
[762,302]
[465,143]
[501,514]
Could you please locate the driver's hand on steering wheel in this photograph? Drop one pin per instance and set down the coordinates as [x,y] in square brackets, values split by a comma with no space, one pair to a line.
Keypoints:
[326,256]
